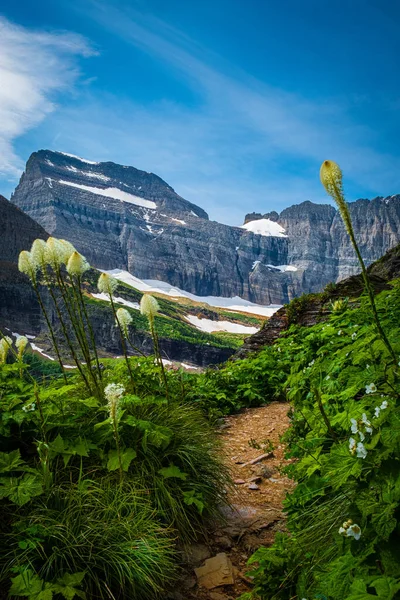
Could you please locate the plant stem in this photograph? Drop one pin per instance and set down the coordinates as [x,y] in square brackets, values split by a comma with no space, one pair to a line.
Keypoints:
[158,356]
[123,343]
[52,335]
[324,415]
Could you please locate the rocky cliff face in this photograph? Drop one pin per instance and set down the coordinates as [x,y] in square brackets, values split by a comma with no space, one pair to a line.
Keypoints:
[120,217]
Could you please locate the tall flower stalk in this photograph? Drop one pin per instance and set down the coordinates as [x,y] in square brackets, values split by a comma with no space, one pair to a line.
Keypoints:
[332,180]
[28,265]
[149,307]
[113,393]
[77,265]
[108,285]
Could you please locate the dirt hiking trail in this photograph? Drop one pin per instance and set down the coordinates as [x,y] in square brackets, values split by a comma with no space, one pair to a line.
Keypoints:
[216,569]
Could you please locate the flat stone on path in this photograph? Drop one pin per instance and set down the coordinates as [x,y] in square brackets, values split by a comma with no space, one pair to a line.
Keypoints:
[215,572]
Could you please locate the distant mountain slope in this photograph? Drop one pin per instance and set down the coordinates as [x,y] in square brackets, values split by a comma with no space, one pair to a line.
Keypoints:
[123,218]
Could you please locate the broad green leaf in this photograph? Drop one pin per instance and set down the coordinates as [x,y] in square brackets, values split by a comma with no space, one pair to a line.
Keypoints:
[11,461]
[173,472]
[126,457]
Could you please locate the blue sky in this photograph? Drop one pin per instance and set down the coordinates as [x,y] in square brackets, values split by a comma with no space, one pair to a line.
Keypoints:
[235,103]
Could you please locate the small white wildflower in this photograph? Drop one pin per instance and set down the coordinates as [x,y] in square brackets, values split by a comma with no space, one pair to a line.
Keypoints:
[361,451]
[340,332]
[354,531]
[371,388]
[362,436]
[327,377]
[384,405]
[366,423]
[352,446]
[345,526]
[367,366]
[310,364]
[29,407]
[377,411]
[353,336]
[279,350]
[354,426]
[107,284]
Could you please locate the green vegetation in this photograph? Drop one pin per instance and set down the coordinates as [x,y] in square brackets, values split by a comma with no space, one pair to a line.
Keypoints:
[102,469]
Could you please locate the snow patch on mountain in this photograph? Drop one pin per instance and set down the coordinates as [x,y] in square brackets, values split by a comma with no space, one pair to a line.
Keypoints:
[209,326]
[265,227]
[85,160]
[162,287]
[88,173]
[283,268]
[113,193]
[117,300]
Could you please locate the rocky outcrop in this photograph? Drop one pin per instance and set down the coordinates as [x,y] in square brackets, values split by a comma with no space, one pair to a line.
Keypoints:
[120,217]
[309,309]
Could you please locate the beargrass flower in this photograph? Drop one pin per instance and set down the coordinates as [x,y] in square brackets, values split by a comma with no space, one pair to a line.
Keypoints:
[21,343]
[124,319]
[38,253]
[113,393]
[77,264]
[54,253]
[26,264]
[66,249]
[371,388]
[149,306]
[107,284]
[332,180]
[5,345]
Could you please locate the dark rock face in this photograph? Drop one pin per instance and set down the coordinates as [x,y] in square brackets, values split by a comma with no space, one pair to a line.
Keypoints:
[155,234]
[18,305]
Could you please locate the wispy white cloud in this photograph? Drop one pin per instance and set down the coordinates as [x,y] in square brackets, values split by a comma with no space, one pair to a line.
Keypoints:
[34,66]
